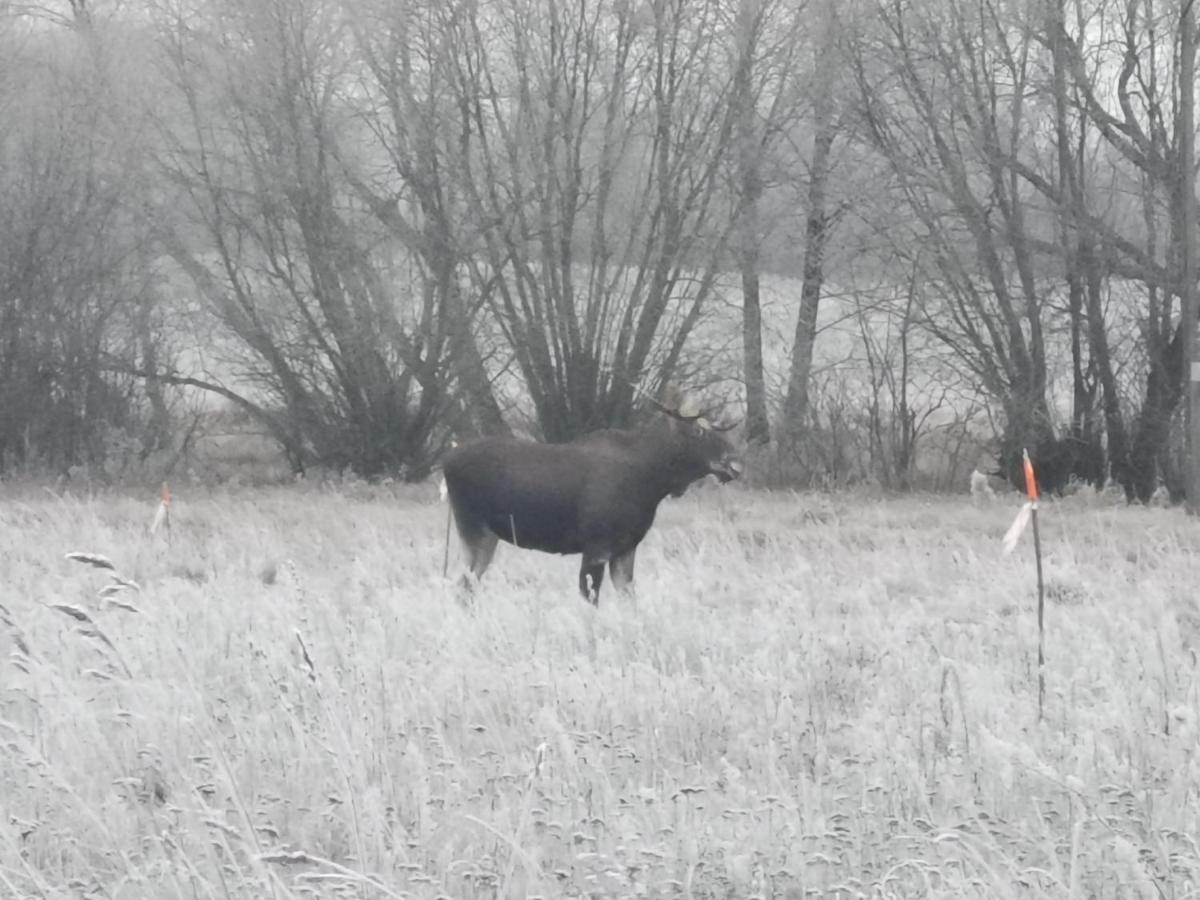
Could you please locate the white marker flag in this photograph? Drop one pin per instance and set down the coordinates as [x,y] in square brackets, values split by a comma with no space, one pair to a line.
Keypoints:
[1020,523]
[162,515]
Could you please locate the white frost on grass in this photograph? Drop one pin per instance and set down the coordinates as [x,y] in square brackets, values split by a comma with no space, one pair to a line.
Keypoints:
[806,692]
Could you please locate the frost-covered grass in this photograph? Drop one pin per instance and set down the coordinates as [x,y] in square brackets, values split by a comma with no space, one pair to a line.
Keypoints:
[810,695]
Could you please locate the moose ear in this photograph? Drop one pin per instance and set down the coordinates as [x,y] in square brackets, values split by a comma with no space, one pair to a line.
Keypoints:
[689,408]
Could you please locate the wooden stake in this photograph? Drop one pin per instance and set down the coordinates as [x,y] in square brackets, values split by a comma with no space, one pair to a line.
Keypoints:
[1031,489]
[162,515]
[446,542]
[1037,552]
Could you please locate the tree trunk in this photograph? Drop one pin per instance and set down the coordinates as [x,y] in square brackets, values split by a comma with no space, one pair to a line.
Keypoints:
[158,429]
[816,233]
[1081,394]
[1110,398]
[1165,348]
[1164,384]
[1185,166]
[758,429]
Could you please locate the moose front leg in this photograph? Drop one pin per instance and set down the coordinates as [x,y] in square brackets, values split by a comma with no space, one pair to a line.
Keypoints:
[480,552]
[591,576]
[480,547]
[621,570]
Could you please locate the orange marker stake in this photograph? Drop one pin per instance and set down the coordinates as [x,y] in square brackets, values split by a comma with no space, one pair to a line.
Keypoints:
[1031,488]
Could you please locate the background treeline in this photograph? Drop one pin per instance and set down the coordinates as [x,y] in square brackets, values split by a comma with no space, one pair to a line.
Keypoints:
[880,231]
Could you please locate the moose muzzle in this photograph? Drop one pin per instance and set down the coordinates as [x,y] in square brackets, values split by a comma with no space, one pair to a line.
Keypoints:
[728,469]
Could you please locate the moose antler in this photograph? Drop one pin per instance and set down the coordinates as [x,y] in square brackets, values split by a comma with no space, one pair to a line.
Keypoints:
[700,416]
[675,413]
[662,407]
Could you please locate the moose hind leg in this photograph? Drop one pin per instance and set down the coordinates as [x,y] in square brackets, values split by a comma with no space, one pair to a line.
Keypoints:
[621,570]
[591,576]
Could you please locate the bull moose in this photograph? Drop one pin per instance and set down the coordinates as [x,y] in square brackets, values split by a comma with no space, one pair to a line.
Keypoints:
[596,495]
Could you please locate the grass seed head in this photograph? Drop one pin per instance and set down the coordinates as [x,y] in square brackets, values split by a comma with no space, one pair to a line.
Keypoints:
[91,559]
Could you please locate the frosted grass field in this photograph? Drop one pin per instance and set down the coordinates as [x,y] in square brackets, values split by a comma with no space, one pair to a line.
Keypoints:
[810,696]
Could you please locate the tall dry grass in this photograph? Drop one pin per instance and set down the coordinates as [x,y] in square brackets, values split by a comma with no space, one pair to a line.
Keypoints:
[820,696]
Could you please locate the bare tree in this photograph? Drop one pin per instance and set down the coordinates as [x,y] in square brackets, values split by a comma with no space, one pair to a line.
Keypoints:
[944,98]
[594,136]
[1069,175]
[1142,138]
[340,355]
[412,187]
[69,241]
[898,414]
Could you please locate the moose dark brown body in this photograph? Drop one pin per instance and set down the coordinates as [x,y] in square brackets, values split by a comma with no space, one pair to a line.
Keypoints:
[595,496]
